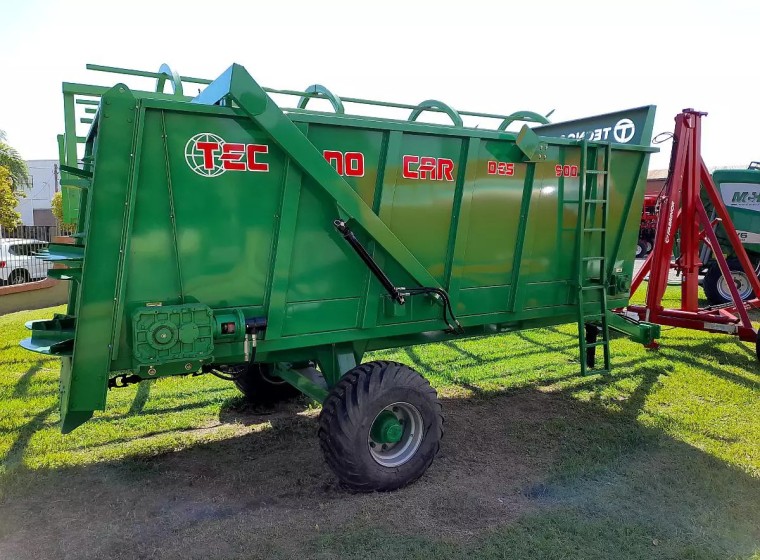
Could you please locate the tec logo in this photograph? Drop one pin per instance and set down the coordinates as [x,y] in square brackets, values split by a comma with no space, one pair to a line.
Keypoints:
[209,155]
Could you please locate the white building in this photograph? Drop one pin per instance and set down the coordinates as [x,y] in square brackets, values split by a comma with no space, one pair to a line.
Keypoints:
[43,184]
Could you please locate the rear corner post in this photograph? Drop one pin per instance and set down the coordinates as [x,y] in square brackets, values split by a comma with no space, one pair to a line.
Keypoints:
[84,379]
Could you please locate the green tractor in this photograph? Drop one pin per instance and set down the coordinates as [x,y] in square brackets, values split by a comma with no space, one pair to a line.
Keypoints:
[740,190]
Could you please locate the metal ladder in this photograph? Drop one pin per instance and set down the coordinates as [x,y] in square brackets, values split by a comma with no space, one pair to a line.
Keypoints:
[593,194]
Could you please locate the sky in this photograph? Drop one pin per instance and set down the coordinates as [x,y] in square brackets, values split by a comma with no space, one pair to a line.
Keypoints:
[579,58]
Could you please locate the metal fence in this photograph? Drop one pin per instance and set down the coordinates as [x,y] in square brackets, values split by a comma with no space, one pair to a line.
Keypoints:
[18,248]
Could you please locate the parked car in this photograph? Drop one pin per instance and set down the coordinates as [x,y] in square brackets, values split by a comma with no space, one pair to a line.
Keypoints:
[19,263]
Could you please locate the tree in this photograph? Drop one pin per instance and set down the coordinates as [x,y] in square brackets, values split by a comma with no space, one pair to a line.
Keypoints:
[9,218]
[16,166]
[56,205]
[14,176]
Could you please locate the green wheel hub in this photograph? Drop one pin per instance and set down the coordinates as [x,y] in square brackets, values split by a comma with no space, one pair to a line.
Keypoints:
[386,428]
[396,434]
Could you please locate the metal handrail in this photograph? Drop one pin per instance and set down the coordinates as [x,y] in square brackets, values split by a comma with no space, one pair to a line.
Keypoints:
[321,92]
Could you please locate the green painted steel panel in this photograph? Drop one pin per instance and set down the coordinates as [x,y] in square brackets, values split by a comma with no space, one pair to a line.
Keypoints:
[740,191]
[227,203]
[421,209]
[320,316]
[486,299]
[225,223]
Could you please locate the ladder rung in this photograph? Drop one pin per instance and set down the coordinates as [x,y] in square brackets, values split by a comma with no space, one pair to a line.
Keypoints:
[596,199]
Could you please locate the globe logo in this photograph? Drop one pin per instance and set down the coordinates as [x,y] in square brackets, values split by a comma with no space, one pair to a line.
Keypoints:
[195,157]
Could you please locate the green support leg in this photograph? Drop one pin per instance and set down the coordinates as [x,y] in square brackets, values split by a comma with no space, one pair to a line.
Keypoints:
[336,360]
[300,382]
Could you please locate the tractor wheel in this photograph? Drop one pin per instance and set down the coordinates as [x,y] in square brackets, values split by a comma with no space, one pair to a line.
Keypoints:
[716,288]
[641,249]
[19,276]
[259,386]
[380,427]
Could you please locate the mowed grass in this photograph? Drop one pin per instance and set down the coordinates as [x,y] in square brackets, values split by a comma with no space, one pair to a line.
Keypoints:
[660,459]
[146,418]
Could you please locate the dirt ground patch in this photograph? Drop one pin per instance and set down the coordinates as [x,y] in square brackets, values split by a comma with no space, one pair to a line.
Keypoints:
[657,461]
[272,486]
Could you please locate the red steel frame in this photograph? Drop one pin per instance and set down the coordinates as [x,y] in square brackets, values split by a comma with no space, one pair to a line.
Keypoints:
[682,210]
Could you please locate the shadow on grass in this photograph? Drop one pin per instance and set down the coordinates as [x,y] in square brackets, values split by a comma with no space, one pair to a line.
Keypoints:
[420,365]
[476,359]
[690,353]
[14,455]
[141,397]
[609,488]
[22,386]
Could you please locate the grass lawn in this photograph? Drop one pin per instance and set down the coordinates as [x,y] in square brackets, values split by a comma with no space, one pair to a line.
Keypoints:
[661,459]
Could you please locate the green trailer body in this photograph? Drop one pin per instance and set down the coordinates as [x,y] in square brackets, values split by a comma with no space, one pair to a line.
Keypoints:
[221,230]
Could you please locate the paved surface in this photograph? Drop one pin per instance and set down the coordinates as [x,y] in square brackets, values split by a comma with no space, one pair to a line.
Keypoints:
[672,278]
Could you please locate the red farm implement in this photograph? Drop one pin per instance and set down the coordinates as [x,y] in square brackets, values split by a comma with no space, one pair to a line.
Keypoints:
[683,225]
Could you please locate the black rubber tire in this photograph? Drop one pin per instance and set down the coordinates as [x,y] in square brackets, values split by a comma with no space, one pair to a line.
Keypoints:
[641,249]
[592,334]
[347,416]
[711,279]
[258,385]
[19,276]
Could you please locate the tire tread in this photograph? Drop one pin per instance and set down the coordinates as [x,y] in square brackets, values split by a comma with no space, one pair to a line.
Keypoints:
[342,413]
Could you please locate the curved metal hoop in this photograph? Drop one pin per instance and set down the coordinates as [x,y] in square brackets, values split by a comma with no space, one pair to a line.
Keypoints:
[323,92]
[521,116]
[435,104]
[174,78]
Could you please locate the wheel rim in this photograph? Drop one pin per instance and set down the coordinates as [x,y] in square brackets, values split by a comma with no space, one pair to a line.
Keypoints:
[742,286]
[385,429]
[639,250]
